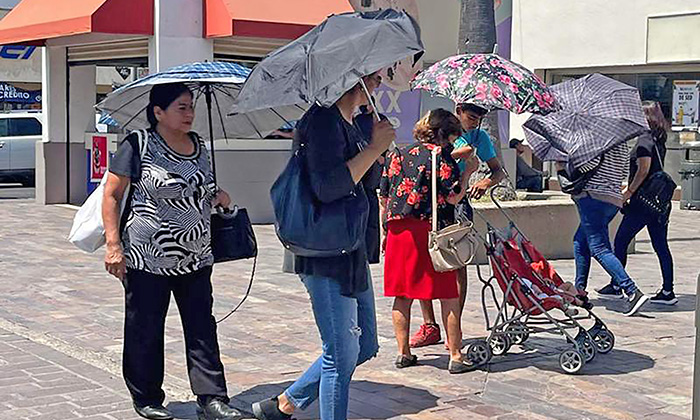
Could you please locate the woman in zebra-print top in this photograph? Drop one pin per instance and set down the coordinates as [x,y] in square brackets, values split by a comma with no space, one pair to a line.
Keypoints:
[164,247]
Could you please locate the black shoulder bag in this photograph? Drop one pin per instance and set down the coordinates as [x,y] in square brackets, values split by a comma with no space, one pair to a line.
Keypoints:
[308,227]
[573,180]
[655,194]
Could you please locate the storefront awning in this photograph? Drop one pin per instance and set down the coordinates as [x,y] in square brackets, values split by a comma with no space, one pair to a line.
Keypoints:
[279,19]
[36,21]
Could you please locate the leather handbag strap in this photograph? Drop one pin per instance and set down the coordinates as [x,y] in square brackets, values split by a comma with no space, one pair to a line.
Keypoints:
[433,180]
[658,155]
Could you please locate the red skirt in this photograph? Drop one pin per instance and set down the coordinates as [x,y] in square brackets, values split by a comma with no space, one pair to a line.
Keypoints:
[408,269]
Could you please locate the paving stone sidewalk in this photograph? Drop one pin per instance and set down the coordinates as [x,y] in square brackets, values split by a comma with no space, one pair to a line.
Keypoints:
[61,328]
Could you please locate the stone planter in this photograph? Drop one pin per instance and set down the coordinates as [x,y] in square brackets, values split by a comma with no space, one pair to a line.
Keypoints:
[549,223]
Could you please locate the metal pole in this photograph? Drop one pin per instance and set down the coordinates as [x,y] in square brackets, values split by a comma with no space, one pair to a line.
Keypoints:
[207,96]
[696,366]
[374,108]
[67,131]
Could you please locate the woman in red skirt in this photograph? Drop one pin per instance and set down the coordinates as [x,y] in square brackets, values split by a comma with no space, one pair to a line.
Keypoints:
[405,202]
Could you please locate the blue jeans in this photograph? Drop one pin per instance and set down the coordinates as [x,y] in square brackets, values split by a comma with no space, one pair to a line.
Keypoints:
[348,327]
[632,223]
[593,239]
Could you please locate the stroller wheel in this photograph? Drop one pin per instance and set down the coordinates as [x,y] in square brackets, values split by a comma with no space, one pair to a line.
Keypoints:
[588,348]
[571,361]
[518,333]
[500,344]
[479,353]
[604,340]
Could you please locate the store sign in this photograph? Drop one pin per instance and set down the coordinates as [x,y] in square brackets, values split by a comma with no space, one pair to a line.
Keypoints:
[98,158]
[16,52]
[686,104]
[9,93]
[402,109]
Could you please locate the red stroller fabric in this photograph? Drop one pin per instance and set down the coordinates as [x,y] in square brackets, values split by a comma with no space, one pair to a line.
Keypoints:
[511,266]
[541,266]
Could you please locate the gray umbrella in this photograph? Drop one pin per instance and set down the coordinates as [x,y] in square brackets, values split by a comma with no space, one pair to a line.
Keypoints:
[597,114]
[329,60]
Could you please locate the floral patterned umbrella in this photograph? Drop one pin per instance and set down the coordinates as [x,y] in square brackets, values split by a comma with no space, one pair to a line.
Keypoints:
[489,81]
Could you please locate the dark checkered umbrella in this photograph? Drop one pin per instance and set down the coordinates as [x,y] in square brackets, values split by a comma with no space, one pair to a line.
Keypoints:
[597,114]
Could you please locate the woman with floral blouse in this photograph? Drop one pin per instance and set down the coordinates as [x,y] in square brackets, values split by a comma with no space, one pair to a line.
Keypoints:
[405,201]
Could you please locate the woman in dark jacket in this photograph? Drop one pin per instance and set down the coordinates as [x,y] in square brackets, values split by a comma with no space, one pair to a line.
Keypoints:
[164,248]
[365,121]
[646,159]
[340,288]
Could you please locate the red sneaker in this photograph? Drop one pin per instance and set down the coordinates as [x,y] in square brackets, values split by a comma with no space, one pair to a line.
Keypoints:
[426,335]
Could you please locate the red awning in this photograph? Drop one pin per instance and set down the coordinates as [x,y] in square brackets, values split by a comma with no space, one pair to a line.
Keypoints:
[35,21]
[281,19]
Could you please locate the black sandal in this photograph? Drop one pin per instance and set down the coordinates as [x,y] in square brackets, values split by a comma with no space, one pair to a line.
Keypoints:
[456,367]
[404,362]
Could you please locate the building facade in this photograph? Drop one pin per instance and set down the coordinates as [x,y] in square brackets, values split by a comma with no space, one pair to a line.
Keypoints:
[651,45]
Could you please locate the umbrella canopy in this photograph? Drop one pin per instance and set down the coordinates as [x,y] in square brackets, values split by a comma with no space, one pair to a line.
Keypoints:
[127,105]
[489,81]
[329,60]
[597,114]
[398,76]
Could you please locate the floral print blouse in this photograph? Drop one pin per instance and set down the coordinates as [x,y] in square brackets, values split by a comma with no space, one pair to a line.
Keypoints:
[406,183]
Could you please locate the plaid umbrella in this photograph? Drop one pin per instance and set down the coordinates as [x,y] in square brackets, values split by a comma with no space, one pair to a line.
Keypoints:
[597,114]
[489,81]
[221,82]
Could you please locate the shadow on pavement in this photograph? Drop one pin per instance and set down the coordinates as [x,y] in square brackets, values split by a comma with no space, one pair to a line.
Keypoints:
[396,400]
[183,410]
[686,303]
[543,353]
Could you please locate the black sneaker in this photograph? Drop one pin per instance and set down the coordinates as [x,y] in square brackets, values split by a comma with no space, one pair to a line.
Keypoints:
[664,298]
[269,410]
[610,292]
[635,302]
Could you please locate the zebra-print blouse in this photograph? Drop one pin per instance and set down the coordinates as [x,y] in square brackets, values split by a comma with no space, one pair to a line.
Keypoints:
[167,227]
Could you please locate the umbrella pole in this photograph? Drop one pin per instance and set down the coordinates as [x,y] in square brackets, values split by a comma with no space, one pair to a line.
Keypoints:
[374,108]
[369,99]
[207,96]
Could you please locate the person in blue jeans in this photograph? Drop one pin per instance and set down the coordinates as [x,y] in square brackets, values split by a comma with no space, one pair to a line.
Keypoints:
[597,205]
[340,287]
[646,159]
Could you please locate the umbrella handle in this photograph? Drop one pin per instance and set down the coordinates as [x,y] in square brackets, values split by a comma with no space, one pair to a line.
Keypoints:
[374,108]
[369,99]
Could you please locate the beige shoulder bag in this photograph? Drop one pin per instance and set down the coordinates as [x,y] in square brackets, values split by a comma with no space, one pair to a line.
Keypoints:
[450,248]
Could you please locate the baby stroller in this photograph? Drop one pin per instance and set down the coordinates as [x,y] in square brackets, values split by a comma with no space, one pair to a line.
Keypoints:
[534,300]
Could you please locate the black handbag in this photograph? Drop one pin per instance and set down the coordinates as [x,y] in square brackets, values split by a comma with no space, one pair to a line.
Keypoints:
[655,194]
[232,236]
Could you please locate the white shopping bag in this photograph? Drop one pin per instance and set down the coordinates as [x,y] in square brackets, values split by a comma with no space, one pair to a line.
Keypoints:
[88,232]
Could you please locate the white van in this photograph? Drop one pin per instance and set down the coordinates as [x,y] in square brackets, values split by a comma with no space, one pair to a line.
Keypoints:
[19,132]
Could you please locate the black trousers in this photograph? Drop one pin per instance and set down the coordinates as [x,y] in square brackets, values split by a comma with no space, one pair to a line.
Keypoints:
[147,301]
